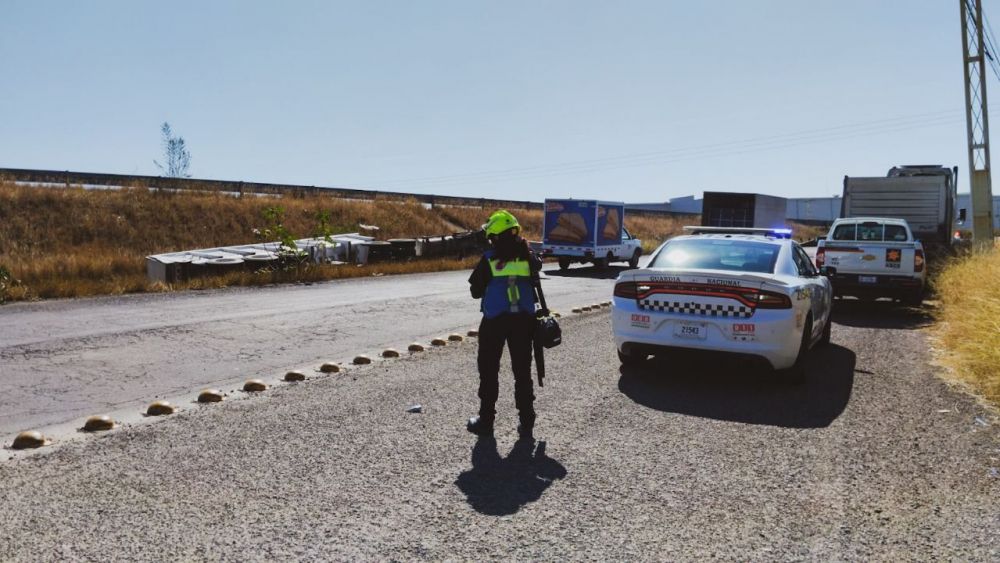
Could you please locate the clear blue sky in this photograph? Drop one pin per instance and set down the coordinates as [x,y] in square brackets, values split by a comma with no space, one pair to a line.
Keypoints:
[632,100]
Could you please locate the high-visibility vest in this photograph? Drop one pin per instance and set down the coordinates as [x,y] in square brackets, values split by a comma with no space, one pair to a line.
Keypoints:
[509,290]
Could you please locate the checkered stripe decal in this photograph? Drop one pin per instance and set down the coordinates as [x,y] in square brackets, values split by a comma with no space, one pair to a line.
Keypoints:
[703,309]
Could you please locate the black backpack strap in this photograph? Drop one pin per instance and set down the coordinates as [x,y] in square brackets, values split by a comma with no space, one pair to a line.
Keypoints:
[536,282]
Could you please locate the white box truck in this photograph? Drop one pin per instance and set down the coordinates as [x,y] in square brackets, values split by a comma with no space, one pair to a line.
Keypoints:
[584,230]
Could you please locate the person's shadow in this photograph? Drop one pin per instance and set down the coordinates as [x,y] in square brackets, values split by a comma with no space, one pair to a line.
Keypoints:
[500,486]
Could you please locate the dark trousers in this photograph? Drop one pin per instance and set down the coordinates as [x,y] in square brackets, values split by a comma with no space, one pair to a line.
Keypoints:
[517,330]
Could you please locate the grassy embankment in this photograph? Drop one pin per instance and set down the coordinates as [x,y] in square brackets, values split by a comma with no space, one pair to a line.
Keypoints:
[969,322]
[71,242]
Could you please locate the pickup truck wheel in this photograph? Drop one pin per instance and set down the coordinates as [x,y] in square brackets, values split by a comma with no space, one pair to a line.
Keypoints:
[633,262]
[796,374]
[825,339]
[915,299]
[564,263]
[631,359]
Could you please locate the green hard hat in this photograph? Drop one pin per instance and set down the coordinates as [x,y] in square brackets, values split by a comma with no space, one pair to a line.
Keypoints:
[499,222]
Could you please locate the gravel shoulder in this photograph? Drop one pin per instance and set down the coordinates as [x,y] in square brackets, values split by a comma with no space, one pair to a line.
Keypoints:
[671,460]
[64,360]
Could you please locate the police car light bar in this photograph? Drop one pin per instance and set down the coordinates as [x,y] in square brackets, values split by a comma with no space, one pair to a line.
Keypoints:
[775,233]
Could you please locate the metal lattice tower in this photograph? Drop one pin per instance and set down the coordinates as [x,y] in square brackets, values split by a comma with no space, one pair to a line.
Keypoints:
[977,119]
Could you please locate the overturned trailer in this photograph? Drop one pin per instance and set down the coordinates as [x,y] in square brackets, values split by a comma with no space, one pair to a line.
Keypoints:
[344,248]
[178,266]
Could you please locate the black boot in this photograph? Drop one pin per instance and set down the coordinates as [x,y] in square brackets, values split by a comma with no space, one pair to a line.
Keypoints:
[526,429]
[480,427]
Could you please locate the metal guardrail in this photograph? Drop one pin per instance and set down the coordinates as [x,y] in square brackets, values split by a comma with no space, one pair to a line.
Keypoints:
[71,178]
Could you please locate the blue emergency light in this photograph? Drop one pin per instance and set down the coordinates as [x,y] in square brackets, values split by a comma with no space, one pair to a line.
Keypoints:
[774,233]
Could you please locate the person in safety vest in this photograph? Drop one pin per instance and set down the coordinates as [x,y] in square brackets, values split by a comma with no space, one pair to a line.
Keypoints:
[503,282]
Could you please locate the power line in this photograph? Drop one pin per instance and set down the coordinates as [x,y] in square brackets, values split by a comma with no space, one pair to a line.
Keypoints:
[840,132]
[696,156]
[673,152]
[991,50]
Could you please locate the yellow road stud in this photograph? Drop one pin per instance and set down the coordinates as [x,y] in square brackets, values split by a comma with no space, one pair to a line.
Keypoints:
[295,375]
[98,423]
[210,396]
[29,439]
[254,386]
[160,408]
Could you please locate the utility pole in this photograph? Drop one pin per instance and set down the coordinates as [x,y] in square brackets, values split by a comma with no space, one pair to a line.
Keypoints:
[977,120]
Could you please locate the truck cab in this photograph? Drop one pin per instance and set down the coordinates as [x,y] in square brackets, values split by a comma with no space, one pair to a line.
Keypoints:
[872,257]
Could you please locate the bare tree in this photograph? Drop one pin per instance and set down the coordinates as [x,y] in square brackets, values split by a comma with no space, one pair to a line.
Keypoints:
[175,154]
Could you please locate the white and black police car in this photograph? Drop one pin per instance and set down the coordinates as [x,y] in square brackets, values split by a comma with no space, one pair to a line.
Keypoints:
[749,292]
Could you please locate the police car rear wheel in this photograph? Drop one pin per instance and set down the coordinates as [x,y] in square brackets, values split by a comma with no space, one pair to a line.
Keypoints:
[797,372]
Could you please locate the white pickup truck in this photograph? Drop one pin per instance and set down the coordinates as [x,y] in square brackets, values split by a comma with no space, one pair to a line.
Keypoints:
[872,257]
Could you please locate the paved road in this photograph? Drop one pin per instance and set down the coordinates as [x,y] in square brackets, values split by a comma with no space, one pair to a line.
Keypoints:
[872,458]
[68,359]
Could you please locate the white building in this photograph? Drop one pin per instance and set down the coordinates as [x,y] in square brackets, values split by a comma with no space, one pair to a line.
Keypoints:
[965,202]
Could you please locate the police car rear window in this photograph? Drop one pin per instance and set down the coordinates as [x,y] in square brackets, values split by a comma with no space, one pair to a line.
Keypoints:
[718,254]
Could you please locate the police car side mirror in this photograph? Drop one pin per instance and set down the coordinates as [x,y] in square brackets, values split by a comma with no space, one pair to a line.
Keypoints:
[827,271]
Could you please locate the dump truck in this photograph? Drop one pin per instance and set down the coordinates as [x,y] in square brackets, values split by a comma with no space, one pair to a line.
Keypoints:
[922,195]
[588,231]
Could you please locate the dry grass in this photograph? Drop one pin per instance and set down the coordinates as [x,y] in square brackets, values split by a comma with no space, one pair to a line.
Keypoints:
[472,218]
[969,327]
[652,229]
[71,242]
[803,233]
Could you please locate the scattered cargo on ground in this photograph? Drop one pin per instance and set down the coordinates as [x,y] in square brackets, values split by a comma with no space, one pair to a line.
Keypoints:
[334,249]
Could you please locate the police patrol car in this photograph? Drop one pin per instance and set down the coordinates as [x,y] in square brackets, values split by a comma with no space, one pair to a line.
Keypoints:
[751,292]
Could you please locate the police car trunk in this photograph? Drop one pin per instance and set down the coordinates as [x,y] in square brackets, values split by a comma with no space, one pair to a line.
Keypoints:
[745,313]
